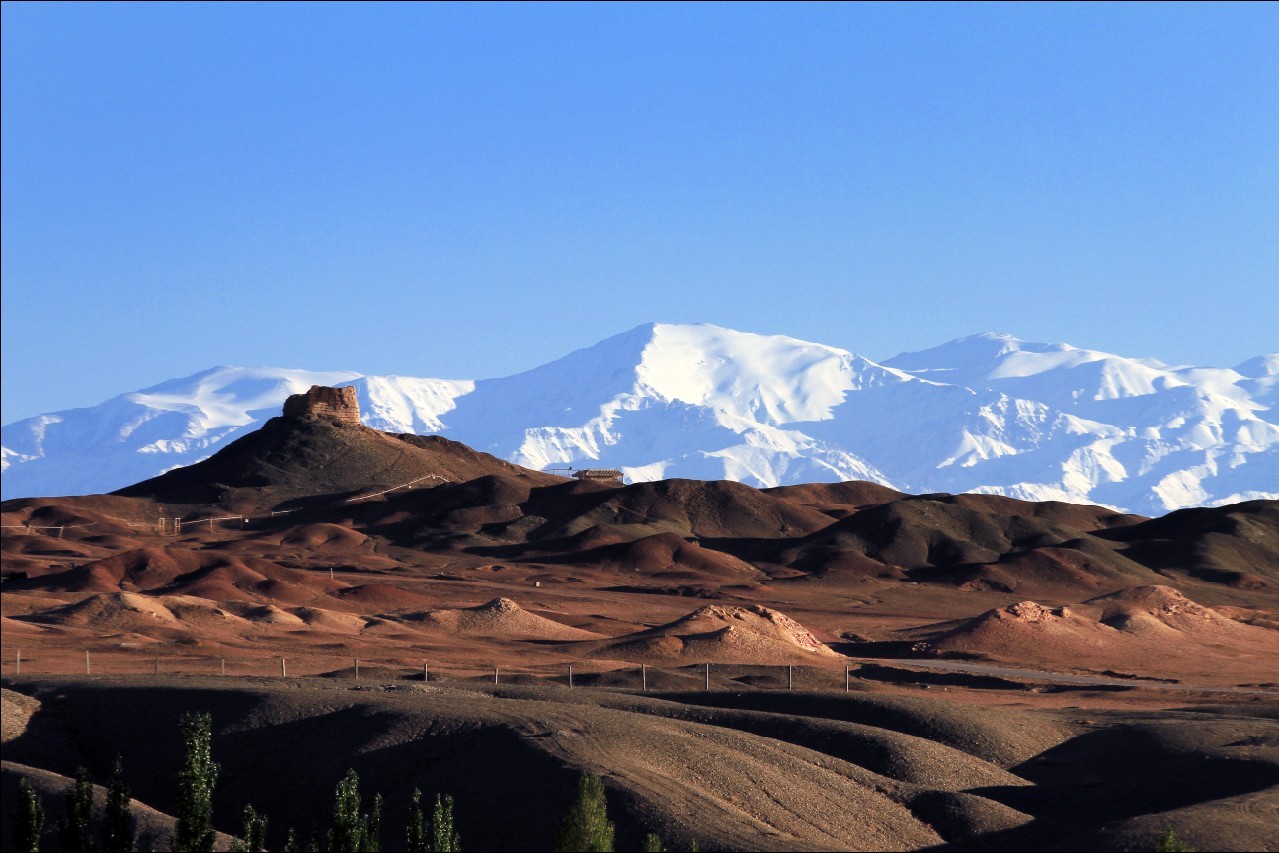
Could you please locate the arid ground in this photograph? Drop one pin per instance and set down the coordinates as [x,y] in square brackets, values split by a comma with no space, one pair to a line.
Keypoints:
[832,666]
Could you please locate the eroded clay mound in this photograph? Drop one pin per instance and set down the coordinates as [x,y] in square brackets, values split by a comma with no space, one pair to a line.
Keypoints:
[726,634]
[1139,626]
[501,618]
[130,612]
[178,570]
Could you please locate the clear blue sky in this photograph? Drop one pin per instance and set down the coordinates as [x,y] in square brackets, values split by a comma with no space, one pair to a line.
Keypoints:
[472,190]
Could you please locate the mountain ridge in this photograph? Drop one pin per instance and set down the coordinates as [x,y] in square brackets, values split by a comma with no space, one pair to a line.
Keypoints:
[986,413]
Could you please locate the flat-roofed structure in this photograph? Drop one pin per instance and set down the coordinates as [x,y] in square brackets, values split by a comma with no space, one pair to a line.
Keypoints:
[601,475]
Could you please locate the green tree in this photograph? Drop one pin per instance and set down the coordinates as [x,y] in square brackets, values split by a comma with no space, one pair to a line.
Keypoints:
[444,837]
[1168,843]
[653,843]
[196,781]
[416,833]
[586,827]
[28,826]
[254,832]
[373,835]
[73,827]
[117,821]
[353,831]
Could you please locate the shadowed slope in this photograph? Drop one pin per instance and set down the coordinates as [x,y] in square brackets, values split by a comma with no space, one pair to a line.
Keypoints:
[291,459]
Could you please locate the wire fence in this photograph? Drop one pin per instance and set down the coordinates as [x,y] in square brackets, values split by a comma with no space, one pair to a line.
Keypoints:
[61,528]
[15,661]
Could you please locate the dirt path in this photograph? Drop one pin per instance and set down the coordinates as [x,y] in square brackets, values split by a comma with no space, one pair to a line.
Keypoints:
[1056,677]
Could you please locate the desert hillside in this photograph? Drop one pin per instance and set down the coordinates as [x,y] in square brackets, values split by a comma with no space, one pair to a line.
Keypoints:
[738,664]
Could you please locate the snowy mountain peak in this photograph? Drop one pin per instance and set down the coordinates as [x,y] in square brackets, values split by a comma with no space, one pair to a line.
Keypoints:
[772,379]
[989,412]
[1260,367]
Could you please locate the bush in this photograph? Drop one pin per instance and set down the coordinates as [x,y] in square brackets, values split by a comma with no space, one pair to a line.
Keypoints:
[1168,843]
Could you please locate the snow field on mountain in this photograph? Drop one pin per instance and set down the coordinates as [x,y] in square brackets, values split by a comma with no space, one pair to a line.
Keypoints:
[986,413]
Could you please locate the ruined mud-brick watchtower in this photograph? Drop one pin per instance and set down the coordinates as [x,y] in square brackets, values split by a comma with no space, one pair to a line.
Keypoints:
[339,405]
[610,476]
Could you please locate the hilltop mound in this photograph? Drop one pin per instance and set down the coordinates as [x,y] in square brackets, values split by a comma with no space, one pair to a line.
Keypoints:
[500,617]
[143,615]
[1146,628]
[837,500]
[704,509]
[176,569]
[719,633]
[662,555]
[1160,610]
[1236,545]
[973,541]
[318,449]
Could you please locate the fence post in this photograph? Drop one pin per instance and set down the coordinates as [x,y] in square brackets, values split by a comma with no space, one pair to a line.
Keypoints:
[644,678]
[60,529]
[18,663]
[495,675]
[223,665]
[86,661]
[845,679]
[284,672]
[330,573]
[570,676]
[708,676]
[426,671]
[790,677]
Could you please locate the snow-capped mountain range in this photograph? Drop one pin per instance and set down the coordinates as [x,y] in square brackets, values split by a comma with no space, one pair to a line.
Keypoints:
[987,413]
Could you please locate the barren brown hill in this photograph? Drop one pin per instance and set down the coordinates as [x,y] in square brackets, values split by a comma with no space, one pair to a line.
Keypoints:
[663,556]
[1089,718]
[179,569]
[732,770]
[1237,545]
[969,540]
[719,633]
[703,509]
[501,618]
[1145,629]
[838,500]
[311,455]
